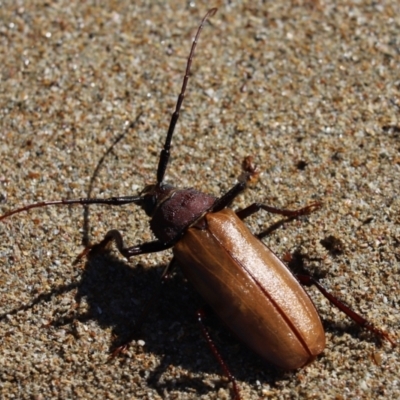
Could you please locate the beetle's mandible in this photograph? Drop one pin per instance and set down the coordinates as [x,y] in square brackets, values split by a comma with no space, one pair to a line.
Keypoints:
[245,283]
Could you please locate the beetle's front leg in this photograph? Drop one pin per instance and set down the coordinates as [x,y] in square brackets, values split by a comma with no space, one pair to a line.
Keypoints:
[114,235]
[144,248]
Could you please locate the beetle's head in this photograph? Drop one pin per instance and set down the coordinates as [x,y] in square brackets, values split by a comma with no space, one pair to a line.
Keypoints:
[154,195]
[172,210]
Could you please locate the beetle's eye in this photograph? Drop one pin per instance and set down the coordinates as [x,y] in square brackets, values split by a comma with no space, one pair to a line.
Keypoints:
[149,204]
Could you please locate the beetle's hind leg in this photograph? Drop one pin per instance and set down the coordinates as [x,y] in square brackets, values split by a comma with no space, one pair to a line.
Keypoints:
[200,318]
[308,280]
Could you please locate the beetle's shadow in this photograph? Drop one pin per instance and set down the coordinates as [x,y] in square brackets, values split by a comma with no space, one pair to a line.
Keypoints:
[116,294]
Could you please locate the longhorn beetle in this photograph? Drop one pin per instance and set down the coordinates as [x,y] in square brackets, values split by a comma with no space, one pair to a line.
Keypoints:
[245,283]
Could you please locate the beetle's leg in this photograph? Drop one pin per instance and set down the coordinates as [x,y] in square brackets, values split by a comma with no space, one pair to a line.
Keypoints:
[308,280]
[114,235]
[249,172]
[229,196]
[144,314]
[255,207]
[200,318]
[290,214]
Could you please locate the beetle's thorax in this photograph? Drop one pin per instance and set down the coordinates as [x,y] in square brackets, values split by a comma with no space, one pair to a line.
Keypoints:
[174,210]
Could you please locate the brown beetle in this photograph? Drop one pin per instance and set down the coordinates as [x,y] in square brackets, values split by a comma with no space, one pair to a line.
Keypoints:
[246,284]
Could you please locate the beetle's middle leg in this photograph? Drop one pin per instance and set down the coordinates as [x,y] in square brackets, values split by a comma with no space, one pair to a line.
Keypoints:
[290,214]
[255,207]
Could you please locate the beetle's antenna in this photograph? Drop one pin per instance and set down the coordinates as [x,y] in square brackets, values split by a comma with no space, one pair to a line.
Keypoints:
[165,152]
[111,201]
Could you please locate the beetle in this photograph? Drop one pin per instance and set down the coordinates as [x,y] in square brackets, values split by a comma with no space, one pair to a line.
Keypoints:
[246,284]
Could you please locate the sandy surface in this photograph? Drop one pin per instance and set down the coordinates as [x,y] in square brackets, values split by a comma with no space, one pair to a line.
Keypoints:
[311,89]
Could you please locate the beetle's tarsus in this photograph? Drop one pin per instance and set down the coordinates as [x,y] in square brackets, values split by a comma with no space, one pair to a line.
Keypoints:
[82,254]
[311,208]
[380,333]
[120,350]
[250,171]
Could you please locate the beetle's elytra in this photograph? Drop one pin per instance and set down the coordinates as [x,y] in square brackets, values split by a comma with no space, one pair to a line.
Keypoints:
[246,284]
[233,264]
